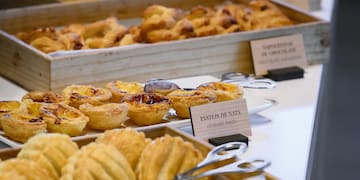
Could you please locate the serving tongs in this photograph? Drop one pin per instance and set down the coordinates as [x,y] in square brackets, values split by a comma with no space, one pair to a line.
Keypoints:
[223,152]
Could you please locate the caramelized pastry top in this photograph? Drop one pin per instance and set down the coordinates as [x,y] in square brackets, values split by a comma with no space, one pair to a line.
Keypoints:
[43,97]
[8,106]
[146,98]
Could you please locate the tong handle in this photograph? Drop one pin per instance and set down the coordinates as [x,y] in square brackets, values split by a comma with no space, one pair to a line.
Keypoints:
[242,166]
[233,150]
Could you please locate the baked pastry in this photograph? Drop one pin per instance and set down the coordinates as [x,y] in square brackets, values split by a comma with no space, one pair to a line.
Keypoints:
[11,106]
[147,108]
[241,13]
[164,24]
[81,94]
[182,100]
[266,15]
[50,151]
[120,88]
[128,141]
[98,161]
[11,175]
[223,91]
[166,157]
[21,126]
[60,118]
[43,97]
[160,86]
[23,169]
[106,116]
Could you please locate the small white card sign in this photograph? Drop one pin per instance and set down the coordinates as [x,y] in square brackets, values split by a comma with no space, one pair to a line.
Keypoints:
[279,52]
[220,119]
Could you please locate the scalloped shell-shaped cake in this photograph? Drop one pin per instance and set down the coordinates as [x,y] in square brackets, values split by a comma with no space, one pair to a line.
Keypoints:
[128,141]
[98,161]
[19,169]
[167,156]
[50,151]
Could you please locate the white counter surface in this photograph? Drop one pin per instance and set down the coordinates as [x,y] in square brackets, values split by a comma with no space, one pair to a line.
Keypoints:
[281,134]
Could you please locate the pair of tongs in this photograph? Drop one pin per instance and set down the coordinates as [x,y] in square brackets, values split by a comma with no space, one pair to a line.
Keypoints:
[233,151]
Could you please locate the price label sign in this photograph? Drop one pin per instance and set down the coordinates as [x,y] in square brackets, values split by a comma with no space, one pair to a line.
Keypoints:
[220,119]
[279,52]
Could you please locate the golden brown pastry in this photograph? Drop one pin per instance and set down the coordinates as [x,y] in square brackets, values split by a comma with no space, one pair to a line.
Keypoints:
[164,24]
[43,97]
[241,13]
[266,15]
[167,156]
[98,161]
[23,169]
[147,108]
[208,21]
[11,106]
[81,94]
[60,118]
[21,126]
[50,151]
[11,175]
[128,141]
[120,88]
[106,116]
[182,100]
[224,91]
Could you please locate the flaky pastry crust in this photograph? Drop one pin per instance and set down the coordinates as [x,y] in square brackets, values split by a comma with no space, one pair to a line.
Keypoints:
[81,94]
[128,141]
[43,97]
[224,91]
[50,151]
[120,88]
[182,100]
[147,108]
[11,106]
[24,168]
[60,118]
[106,116]
[167,156]
[98,161]
[21,126]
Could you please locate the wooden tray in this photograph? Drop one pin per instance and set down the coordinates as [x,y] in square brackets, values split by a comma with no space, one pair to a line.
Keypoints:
[213,55]
[204,147]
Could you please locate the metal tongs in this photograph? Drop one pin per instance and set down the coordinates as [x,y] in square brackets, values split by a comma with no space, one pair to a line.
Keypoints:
[247,81]
[233,151]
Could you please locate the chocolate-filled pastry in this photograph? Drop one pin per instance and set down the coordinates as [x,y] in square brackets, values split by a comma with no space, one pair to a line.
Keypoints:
[120,88]
[50,151]
[19,169]
[147,108]
[266,15]
[182,100]
[128,141]
[81,94]
[21,126]
[11,106]
[167,156]
[98,161]
[106,116]
[223,91]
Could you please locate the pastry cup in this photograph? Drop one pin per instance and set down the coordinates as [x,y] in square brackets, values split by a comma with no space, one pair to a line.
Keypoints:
[106,116]
[43,97]
[11,106]
[119,89]
[81,94]
[62,118]
[128,141]
[146,108]
[21,126]
[223,91]
[182,100]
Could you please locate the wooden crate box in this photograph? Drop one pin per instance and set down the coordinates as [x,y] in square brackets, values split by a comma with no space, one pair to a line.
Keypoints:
[213,55]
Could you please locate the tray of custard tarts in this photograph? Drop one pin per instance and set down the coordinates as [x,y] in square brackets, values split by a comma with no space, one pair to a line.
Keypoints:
[159,153]
[84,110]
